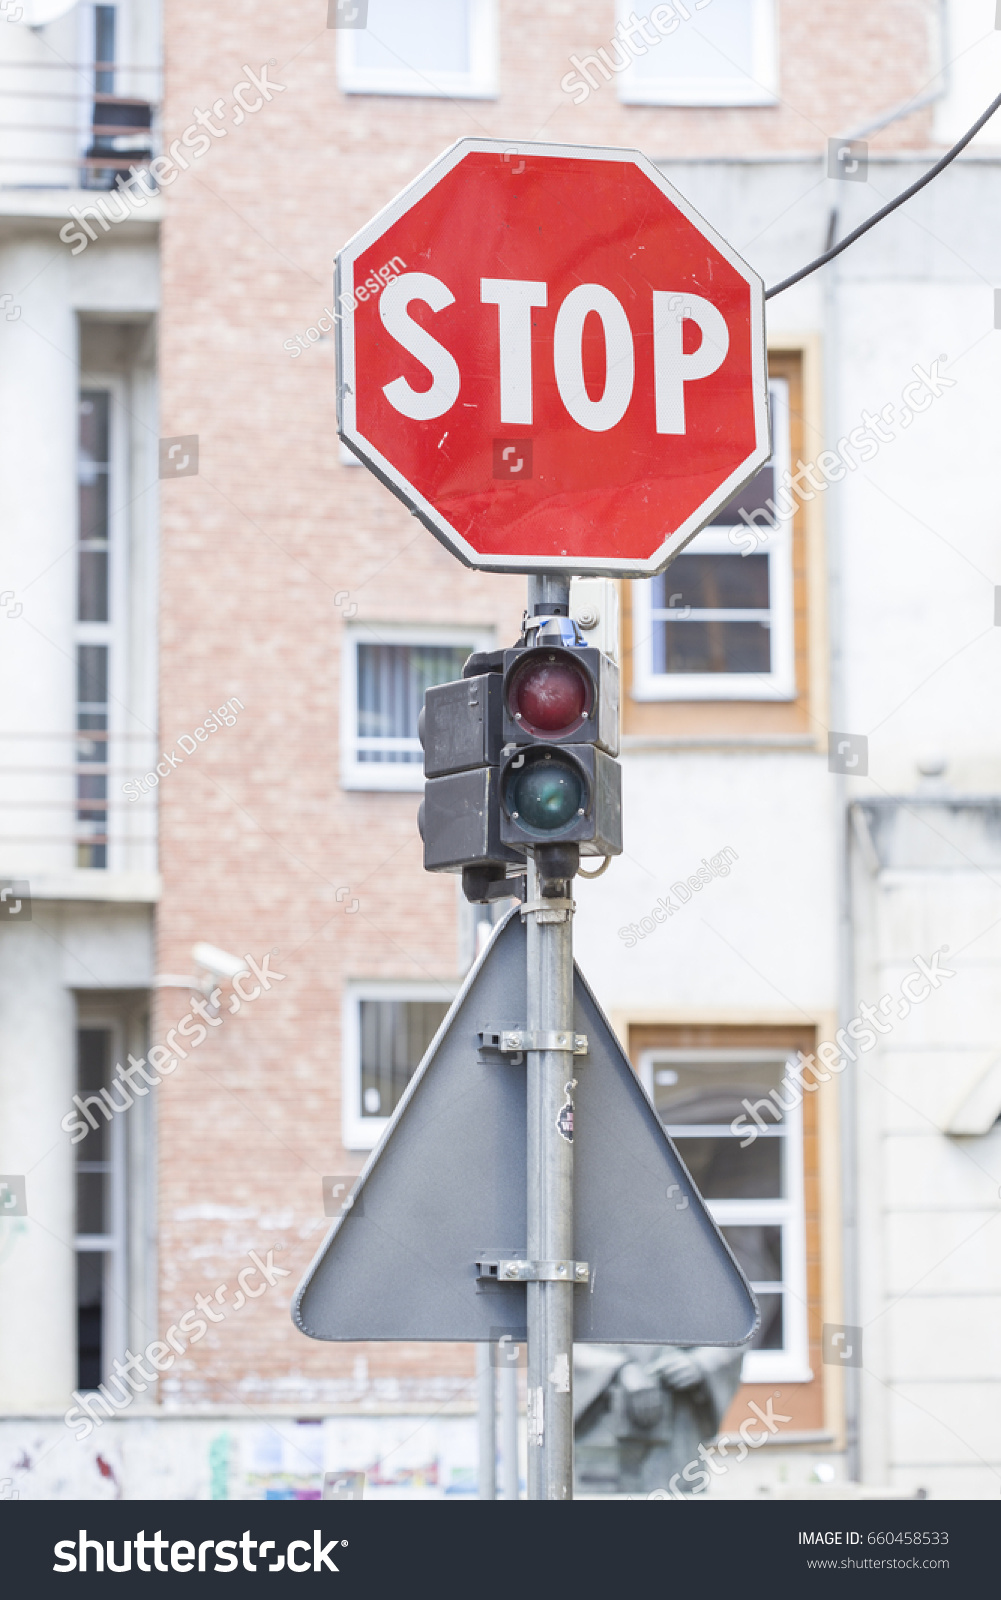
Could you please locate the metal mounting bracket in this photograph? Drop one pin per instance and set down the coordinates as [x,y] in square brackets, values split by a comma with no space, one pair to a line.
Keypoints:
[505,1269]
[515,1041]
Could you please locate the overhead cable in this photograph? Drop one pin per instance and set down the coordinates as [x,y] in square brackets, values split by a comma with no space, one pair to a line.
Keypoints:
[856,233]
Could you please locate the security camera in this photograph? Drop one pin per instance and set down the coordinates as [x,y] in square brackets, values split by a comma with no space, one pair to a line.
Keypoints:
[219,962]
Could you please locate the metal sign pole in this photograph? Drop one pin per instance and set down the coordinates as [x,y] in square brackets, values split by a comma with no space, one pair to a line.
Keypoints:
[550,1152]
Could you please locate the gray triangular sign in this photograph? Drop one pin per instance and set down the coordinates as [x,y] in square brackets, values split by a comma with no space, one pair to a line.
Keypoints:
[445,1188]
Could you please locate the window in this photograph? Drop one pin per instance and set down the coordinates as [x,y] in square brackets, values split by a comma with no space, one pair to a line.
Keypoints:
[93,617]
[100,1212]
[387,1030]
[102,633]
[422,47]
[754,1192]
[385,676]
[113,737]
[718,624]
[711,53]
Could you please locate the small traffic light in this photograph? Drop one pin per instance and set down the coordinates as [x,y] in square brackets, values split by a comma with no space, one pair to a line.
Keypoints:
[559,781]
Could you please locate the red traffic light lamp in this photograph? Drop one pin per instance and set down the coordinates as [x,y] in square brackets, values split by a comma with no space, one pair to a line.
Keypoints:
[557,690]
[550,695]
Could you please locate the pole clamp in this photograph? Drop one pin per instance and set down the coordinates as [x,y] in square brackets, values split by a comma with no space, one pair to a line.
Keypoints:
[553,910]
[514,1041]
[506,1269]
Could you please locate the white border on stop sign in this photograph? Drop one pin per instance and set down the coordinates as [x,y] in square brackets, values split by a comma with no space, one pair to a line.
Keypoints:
[347,428]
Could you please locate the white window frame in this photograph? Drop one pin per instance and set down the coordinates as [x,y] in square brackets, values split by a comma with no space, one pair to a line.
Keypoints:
[479,83]
[401,777]
[791,1364]
[759,87]
[731,539]
[359,1132]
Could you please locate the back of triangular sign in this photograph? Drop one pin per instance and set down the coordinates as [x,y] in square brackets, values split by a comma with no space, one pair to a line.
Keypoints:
[446,1187]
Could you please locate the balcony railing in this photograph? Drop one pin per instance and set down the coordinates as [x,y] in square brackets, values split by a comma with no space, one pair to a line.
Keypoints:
[64,803]
[58,131]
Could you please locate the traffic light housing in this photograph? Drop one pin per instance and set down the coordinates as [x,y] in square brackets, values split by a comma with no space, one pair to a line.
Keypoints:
[460,725]
[459,821]
[559,780]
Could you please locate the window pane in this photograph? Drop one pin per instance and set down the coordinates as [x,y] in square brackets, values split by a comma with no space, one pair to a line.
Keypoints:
[712,1092]
[91,1197]
[93,1047]
[711,583]
[94,425]
[90,1317]
[770,1335]
[753,497]
[721,1170]
[94,747]
[394,1037]
[693,646]
[759,1251]
[93,503]
[104,47]
[424,35]
[92,674]
[92,463]
[92,787]
[391,684]
[716,43]
[93,586]
[714,582]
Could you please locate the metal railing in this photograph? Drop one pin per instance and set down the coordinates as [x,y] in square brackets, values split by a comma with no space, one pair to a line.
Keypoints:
[58,131]
[64,802]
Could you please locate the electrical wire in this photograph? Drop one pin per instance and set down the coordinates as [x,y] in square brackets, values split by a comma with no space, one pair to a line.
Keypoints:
[596,874]
[856,233]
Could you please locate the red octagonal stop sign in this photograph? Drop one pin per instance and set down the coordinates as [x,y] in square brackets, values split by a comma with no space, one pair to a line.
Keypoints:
[551,358]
